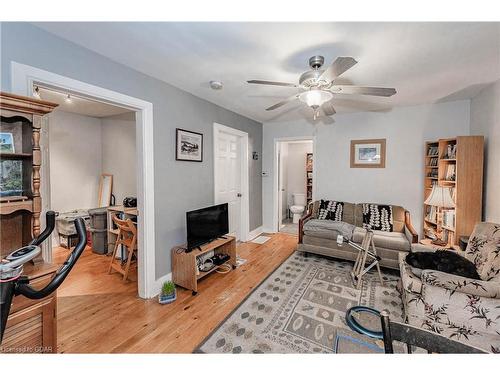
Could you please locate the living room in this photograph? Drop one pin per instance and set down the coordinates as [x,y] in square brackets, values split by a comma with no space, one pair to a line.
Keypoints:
[386,218]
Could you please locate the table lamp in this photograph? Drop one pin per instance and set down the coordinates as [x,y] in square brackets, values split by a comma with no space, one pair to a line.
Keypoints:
[440,197]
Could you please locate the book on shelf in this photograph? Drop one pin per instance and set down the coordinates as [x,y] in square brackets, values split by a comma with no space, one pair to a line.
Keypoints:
[453,191]
[450,152]
[433,162]
[450,172]
[444,235]
[430,232]
[448,219]
[431,214]
[432,151]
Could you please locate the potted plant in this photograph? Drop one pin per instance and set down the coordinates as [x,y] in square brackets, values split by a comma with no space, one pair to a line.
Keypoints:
[168,293]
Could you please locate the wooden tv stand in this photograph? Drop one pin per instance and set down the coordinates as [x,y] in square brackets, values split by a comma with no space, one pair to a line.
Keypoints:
[184,269]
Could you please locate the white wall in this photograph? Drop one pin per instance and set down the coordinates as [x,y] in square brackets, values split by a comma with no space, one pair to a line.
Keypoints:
[485,120]
[81,148]
[119,156]
[296,168]
[401,182]
[75,160]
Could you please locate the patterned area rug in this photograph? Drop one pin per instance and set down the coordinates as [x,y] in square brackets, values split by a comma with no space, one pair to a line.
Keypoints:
[300,308]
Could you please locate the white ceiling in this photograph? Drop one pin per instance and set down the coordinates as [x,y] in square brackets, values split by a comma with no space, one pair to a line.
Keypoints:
[425,62]
[81,105]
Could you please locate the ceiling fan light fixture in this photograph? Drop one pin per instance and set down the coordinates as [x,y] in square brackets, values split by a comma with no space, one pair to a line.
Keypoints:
[315,98]
[317,86]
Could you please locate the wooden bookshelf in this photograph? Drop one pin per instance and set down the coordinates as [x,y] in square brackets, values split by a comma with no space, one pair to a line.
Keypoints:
[309,178]
[456,163]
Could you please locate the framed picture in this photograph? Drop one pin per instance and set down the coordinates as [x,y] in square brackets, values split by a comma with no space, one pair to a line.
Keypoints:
[7,143]
[368,153]
[189,145]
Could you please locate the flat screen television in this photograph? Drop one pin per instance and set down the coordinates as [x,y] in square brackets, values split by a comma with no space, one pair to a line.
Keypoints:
[206,224]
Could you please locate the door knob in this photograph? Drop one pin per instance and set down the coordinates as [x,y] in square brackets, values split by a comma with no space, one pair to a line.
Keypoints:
[238,195]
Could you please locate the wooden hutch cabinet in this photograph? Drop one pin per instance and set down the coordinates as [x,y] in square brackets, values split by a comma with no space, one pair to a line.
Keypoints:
[31,326]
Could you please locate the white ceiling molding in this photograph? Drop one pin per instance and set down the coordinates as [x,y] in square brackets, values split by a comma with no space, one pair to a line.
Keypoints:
[82,106]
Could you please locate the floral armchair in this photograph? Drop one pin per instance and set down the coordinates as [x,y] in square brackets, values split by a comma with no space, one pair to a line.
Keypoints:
[463,309]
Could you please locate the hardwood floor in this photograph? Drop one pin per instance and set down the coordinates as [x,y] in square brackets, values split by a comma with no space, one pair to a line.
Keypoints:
[97,313]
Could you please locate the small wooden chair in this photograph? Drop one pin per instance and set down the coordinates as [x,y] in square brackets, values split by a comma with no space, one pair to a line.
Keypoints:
[127,236]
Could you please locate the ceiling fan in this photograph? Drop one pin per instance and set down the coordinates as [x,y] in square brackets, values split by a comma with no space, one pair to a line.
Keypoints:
[317,87]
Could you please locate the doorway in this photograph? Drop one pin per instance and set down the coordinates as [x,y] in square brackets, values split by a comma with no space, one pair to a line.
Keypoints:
[294,182]
[25,77]
[231,177]
[91,169]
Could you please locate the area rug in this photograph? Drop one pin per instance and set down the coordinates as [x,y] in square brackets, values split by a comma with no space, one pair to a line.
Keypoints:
[300,308]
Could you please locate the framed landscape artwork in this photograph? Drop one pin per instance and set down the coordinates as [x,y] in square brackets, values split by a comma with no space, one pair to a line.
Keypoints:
[189,145]
[368,153]
[7,143]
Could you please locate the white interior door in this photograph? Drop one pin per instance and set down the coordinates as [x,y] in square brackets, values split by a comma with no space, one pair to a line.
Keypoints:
[228,186]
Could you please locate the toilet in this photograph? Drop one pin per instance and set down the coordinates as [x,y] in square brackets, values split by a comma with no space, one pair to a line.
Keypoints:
[299,204]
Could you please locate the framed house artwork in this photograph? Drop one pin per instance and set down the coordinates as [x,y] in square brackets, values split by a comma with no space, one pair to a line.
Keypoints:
[368,153]
[189,145]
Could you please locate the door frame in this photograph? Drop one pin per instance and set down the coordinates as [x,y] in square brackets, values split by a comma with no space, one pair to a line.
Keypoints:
[277,141]
[25,76]
[280,193]
[244,170]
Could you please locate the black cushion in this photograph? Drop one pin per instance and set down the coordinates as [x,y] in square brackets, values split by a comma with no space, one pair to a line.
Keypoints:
[331,210]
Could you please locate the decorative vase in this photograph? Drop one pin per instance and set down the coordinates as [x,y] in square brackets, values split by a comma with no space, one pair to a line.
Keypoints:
[167,298]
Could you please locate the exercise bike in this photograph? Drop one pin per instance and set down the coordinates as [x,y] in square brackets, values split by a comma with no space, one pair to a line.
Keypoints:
[13,283]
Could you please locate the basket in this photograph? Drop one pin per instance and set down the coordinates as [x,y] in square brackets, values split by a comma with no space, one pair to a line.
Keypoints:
[65,222]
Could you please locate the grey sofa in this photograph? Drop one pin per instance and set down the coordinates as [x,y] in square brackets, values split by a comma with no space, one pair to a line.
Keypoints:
[388,244]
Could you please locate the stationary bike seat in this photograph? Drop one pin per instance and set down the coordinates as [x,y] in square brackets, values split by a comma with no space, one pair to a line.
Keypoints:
[22,252]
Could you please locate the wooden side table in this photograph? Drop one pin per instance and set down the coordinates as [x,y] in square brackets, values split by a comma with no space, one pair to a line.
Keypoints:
[428,242]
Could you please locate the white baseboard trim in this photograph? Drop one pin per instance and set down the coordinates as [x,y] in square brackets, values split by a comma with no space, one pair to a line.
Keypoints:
[159,282]
[255,233]
[267,230]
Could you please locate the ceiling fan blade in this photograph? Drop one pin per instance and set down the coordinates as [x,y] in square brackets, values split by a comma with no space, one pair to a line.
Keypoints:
[287,100]
[339,66]
[272,83]
[328,109]
[359,90]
